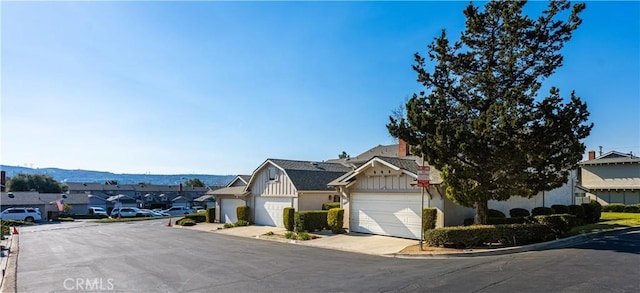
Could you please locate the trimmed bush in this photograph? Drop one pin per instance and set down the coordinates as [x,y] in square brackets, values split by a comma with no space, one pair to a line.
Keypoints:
[507,221]
[508,235]
[330,205]
[288,215]
[491,213]
[310,221]
[634,208]
[429,218]
[14,223]
[560,224]
[335,220]
[614,207]
[592,212]
[198,218]
[518,213]
[242,212]
[541,211]
[210,215]
[560,209]
[186,222]
[83,217]
[578,211]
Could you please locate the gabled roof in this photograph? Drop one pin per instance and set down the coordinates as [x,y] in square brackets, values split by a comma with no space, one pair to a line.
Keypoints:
[408,165]
[180,198]
[240,180]
[613,157]
[377,151]
[306,175]
[205,197]
[233,190]
[120,197]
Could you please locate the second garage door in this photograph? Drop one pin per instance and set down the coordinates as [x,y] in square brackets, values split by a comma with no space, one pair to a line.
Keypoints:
[228,209]
[386,214]
[269,210]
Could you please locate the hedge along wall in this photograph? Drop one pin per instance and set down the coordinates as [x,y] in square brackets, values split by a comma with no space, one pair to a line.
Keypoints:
[310,220]
[335,220]
[211,215]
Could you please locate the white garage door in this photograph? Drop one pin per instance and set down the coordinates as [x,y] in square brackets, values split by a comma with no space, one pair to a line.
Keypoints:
[386,214]
[228,209]
[269,210]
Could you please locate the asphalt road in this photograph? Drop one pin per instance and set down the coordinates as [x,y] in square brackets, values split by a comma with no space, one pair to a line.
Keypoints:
[149,257]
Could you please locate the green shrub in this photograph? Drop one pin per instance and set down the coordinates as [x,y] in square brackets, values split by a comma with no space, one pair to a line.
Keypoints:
[614,207]
[186,222]
[519,213]
[560,209]
[290,235]
[335,220]
[635,208]
[310,221]
[560,224]
[241,223]
[491,213]
[330,205]
[592,212]
[303,236]
[429,218]
[68,219]
[288,218]
[4,230]
[270,233]
[83,217]
[476,235]
[228,225]
[243,213]
[198,218]
[578,211]
[540,211]
[210,215]
[506,221]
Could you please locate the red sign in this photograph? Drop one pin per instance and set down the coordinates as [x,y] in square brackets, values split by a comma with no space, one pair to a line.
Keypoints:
[423,176]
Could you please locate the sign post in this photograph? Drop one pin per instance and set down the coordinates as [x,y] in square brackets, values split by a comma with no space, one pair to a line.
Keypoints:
[423,182]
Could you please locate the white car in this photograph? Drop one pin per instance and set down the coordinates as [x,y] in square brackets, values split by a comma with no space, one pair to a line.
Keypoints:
[178,211]
[97,211]
[127,213]
[23,214]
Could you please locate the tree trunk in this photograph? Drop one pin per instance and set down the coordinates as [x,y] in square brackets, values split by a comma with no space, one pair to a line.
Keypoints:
[481,212]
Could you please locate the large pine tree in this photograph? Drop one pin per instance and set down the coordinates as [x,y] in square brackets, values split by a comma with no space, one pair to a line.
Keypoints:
[482,121]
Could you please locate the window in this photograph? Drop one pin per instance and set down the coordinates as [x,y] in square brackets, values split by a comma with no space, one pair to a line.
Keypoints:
[273,174]
[336,198]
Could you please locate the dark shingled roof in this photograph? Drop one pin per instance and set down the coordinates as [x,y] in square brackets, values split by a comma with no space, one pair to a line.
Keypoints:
[406,164]
[246,178]
[307,175]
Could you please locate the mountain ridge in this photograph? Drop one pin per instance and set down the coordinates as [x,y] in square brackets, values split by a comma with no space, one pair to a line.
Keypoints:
[90,176]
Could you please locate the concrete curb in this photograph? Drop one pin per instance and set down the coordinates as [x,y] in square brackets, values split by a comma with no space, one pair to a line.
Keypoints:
[10,278]
[517,249]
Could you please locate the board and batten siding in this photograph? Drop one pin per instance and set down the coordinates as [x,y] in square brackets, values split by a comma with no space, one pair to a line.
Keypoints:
[282,186]
[384,179]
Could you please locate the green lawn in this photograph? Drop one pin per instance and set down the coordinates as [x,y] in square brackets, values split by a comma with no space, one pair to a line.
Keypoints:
[116,220]
[609,221]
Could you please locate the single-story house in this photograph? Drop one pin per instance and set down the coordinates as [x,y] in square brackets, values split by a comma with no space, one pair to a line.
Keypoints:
[228,198]
[611,178]
[302,185]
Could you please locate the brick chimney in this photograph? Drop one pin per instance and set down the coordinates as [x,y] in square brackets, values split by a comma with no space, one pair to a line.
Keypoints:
[3,180]
[592,155]
[403,148]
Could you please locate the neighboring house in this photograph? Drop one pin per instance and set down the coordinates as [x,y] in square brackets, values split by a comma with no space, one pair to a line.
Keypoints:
[611,178]
[123,199]
[302,185]
[380,196]
[181,201]
[147,195]
[228,198]
[46,202]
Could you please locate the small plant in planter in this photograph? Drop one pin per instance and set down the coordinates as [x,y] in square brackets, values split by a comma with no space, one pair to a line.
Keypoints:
[290,235]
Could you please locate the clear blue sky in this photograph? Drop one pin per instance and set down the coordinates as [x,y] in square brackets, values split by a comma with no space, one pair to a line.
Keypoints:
[218,87]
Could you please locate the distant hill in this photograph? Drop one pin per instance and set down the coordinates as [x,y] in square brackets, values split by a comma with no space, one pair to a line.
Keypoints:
[87,176]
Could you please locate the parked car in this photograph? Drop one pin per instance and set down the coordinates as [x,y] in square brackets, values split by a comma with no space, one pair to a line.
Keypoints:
[23,214]
[151,213]
[178,211]
[97,211]
[126,213]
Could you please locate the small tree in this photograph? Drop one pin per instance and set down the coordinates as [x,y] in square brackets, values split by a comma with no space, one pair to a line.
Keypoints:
[344,155]
[195,182]
[36,182]
[481,120]
[66,208]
